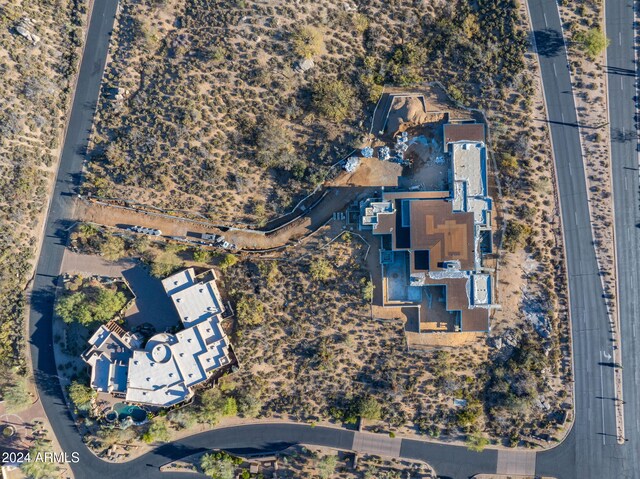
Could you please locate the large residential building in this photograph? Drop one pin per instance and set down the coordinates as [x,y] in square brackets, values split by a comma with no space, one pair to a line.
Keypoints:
[434,242]
[164,372]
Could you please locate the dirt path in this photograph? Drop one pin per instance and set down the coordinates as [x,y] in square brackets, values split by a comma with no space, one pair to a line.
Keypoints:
[336,199]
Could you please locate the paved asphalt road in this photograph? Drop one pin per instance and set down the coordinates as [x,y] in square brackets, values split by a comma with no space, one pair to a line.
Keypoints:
[621,69]
[590,450]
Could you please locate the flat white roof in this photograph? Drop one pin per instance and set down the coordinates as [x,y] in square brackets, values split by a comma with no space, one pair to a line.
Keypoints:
[480,288]
[163,373]
[178,281]
[197,302]
[467,166]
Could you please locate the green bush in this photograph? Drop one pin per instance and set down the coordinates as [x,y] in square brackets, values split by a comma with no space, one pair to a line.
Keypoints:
[476,442]
[81,395]
[157,432]
[228,261]
[320,269]
[307,42]
[593,42]
[219,465]
[334,99]
[249,311]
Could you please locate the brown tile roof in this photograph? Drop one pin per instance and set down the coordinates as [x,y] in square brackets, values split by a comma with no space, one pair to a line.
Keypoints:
[476,319]
[448,236]
[386,223]
[454,132]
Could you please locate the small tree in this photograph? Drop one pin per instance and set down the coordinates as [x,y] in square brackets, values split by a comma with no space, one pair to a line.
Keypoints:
[201,255]
[210,406]
[227,261]
[157,432]
[219,465]
[39,469]
[334,99]
[15,394]
[250,311]
[593,42]
[369,408]
[476,442]
[112,248]
[320,269]
[81,395]
[307,42]
[327,466]
[367,289]
[230,407]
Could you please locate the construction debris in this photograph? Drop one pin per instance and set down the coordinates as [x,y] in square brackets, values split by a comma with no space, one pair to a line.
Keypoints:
[352,164]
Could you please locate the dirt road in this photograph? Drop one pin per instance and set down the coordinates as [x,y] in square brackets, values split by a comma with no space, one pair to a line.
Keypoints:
[336,199]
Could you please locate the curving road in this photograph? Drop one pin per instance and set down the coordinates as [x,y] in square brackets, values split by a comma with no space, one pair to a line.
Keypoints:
[589,451]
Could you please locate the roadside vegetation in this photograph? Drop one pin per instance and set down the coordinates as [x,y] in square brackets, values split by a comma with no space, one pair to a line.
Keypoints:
[34,91]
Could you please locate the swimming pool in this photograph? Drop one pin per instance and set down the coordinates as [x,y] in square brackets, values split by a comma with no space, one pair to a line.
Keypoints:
[129,410]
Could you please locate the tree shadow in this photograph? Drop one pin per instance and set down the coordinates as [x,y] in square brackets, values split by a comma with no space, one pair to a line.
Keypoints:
[549,42]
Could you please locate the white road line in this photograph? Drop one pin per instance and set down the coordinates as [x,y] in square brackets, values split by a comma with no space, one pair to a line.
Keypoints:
[555,73]
[562,116]
[575,214]
[545,19]
[604,441]
[625,183]
[621,84]
[633,327]
[620,38]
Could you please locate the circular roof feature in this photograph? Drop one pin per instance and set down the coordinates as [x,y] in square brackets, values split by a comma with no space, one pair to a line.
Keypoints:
[161,353]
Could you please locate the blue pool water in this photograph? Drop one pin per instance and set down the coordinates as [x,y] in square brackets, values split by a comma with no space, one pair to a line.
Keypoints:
[137,413]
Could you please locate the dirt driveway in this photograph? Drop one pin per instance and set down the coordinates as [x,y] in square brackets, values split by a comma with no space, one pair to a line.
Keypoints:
[335,199]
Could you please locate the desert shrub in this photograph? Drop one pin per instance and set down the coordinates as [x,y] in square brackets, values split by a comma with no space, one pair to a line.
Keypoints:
[182,418]
[326,466]
[334,99]
[274,145]
[515,235]
[157,432]
[307,42]
[228,261]
[81,395]
[219,465]
[320,269]
[250,311]
[164,263]
[593,42]
[476,442]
